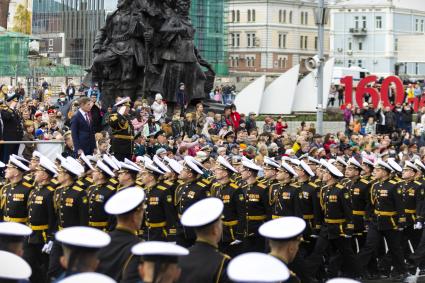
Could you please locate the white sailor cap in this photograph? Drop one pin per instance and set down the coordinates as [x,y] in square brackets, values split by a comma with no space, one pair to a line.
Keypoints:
[116,161]
[36,154]
[202,156]
[341,161]
[2,165]
[285,166]
[257,267]
[14,230]
[128,167]
[394,165]
[108,161]
[286,158]
[333,170]
[60,158]
[86,161]
[70,168]
[368,162]
[129,162]
[158,162]
[123,101]
[105,169]
[410,165]
[203,212]
[13,267]
[224,164]
[342,280]
[156,250]
[380,164]
[147,159]
[306,168]
[305,155]
[189,163]
[83,237]
[176,166]
[15,163]
[270,163]
[313,160]
[77,165]
[250,165]
[47,166]
[151,168]
[285,228]
[331,161]
[420,164]
[91,277]
[160,150]
[353,162]
[196,161]
[294,161]
[125,201]
[20,158]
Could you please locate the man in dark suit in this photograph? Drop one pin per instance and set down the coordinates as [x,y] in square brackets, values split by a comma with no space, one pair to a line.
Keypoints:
[83,134]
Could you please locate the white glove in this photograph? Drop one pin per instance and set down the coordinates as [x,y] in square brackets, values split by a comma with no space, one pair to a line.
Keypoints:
[47,248]
[347,236]
[314,236]
[418,226]
[235,242]
[122,110]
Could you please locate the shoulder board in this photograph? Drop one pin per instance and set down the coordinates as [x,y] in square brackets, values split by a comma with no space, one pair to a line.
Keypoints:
[28,178]
[201,184]
[393,182]
[80,183]
[233,185]
[113,117]
[364,181]
[295,185]
[261,185]
[418,183]
[339,186]
[313,184]
[168,182]
[181,182]
[50,188]
[54,181]
[226,256]
[113,181]
[25,184]
[110,187]
[88,179]
[206,181]
[162,188]
[78,189]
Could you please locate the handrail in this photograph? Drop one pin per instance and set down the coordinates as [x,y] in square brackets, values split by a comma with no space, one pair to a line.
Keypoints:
[33,142]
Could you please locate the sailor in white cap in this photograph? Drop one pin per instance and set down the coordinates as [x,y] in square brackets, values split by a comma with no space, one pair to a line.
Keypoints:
[122,139]
[340,164]
[387,219]
[191,190]
[116,259]
[229,192]
[91,277]
[159,261]
[270,168]
[107,160]
[204,262]
[160,213]
[342,280]
[127,175]
[368,167]
[13,268]
[12,237]
[254,205]
[80,246]
[338,225]
[85,180]
[397,170]
[284,194]
[314,164]
[42,219]
[257,268]
[309,200]
[284,237]
[71,210]
[359,189]
[14,195]
[98,194]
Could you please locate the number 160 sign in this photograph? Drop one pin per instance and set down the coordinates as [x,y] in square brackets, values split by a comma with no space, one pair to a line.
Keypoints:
[376,96]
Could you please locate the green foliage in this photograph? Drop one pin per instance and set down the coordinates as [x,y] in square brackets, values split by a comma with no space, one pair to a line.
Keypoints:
[22,20]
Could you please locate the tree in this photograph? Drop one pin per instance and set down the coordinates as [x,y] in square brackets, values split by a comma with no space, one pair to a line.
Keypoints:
[22,20]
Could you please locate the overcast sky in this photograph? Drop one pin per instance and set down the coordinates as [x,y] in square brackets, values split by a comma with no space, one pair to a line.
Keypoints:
[110,4]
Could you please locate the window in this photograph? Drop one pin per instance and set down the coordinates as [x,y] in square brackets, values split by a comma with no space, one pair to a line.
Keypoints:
[250,61]
[303,42]
[416,68]
[364,22]
[50,49]
[282,40]
[396,44]
[306,18]
[316,42]
[237,40]
[356,22]
[417,25]
[378,22]
[233,16]
[360,63]
[302,17]
[250,37]
[350,45]
[282,62]
[360,46]
[284,17]
[422,25]
[238,16]
[249,15]
[280,16]
[290,17]
[234,61]
[50,42]
[350,63]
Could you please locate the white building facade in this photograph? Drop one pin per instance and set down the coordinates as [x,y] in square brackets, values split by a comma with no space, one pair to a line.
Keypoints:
[367,33]
[271,36]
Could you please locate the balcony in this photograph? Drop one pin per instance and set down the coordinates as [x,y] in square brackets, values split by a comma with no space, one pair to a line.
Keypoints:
[358,31]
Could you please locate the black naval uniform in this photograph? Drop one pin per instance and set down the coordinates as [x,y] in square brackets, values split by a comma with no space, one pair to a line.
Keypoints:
[310,207]
[13,131]
[42,220]
[387,216]
[160,214]
[122,141]
[253,202]
[97,196]
[187,194]
[14,200]
[293,278]
[229,194]
[203,264]
[116,259]
[285,200]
